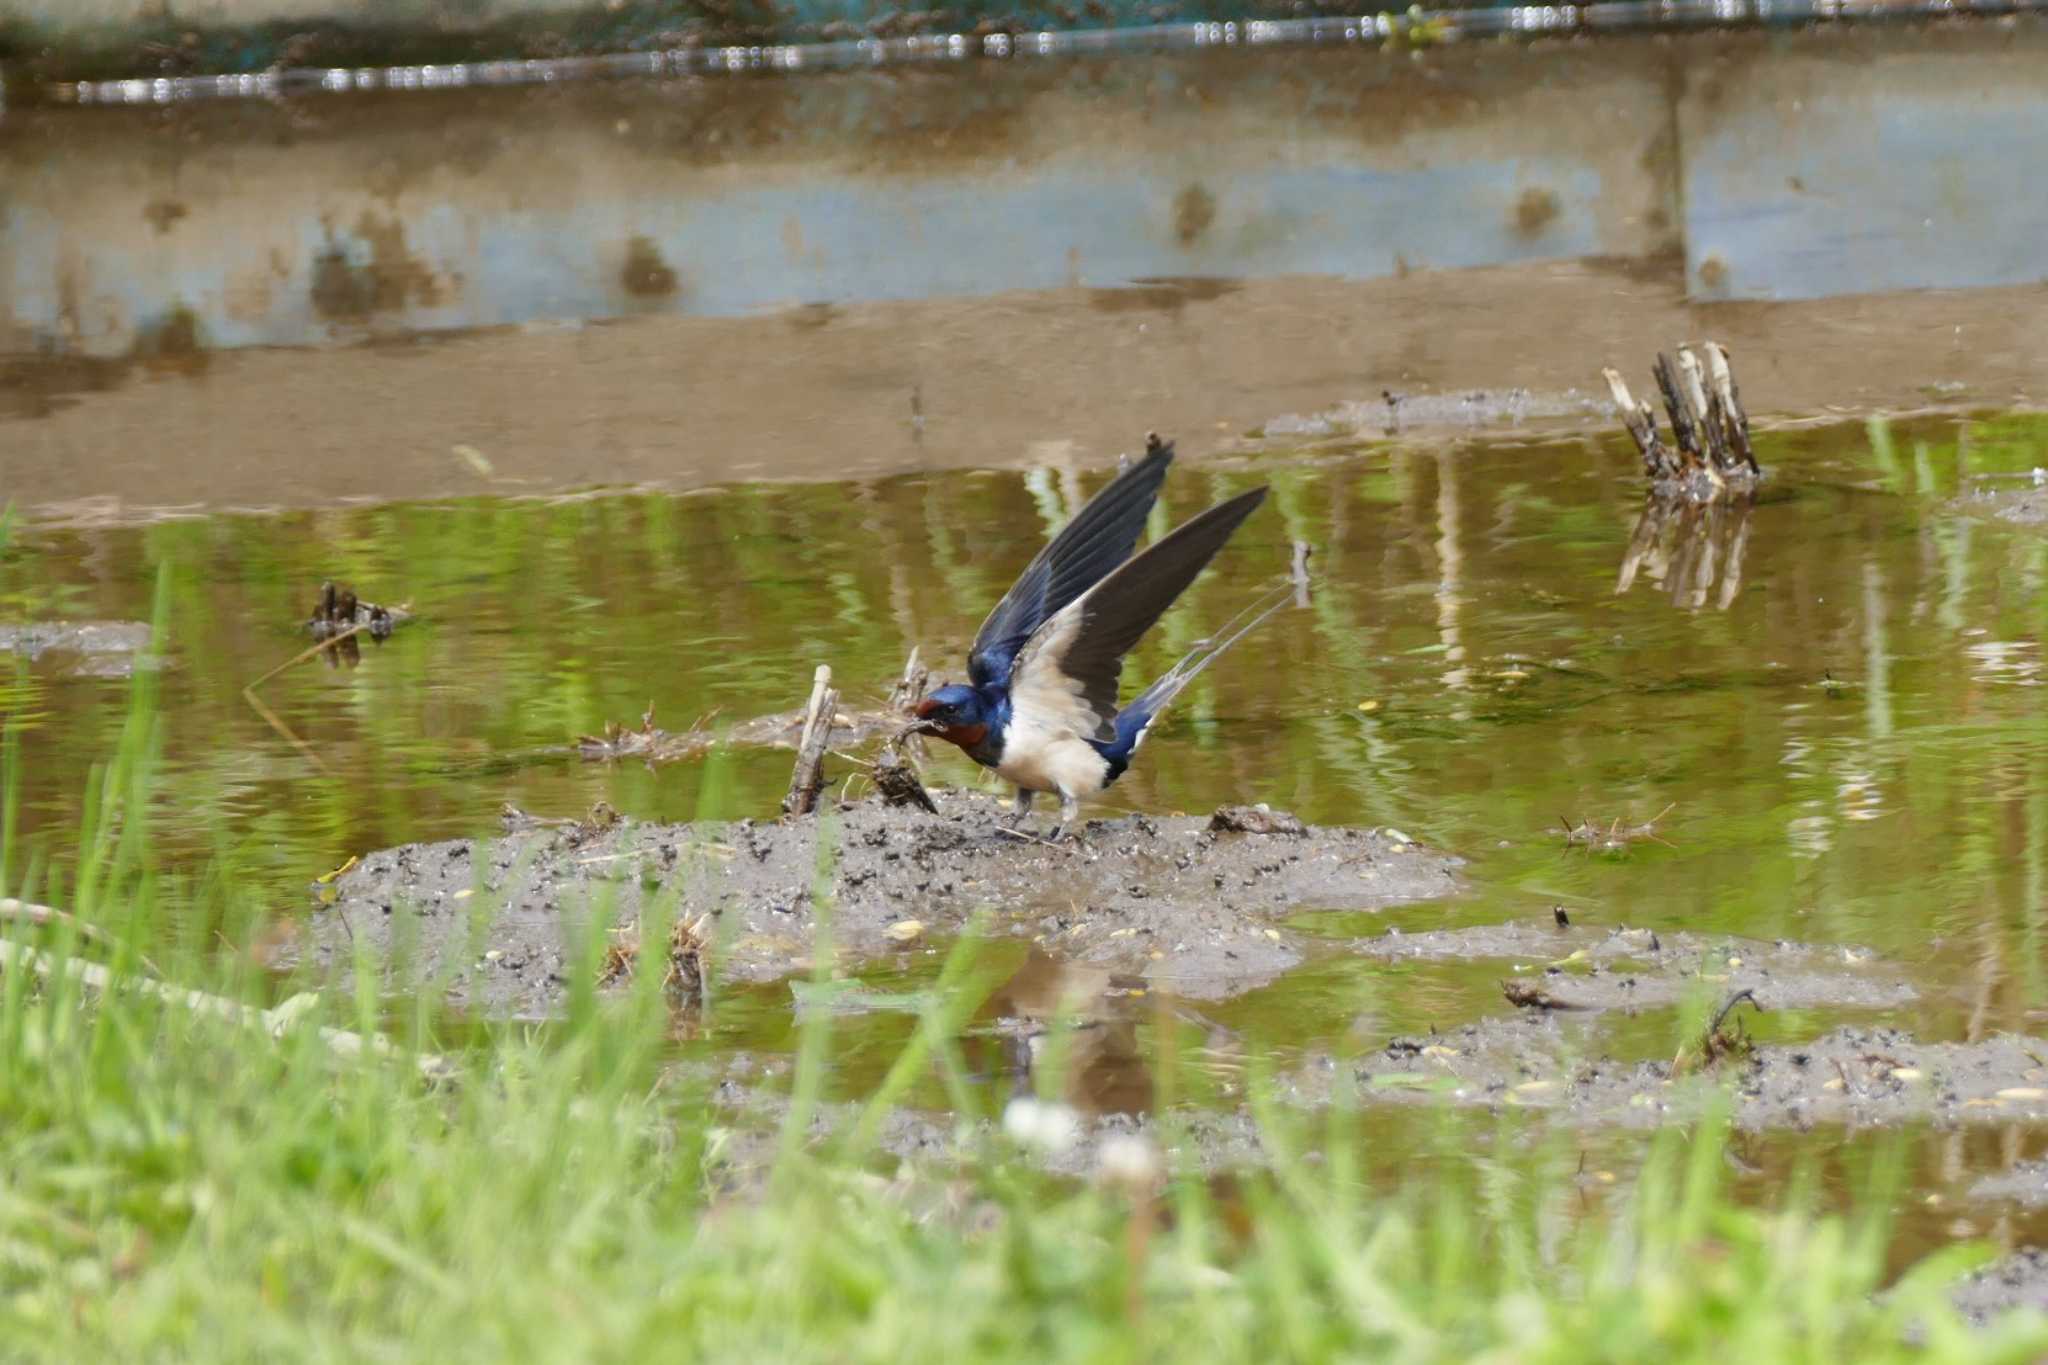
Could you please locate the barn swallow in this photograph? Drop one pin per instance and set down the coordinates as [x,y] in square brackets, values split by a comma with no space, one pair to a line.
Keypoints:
[1040,703]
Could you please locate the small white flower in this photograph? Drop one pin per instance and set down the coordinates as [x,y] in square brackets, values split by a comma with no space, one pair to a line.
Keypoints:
[1128,1159]
[1051,1127]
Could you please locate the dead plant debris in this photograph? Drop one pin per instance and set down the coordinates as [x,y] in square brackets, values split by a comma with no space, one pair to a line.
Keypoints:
[1259,819]
[895,777]
[1614,837]
[1527,996]
[1717,1043]
[340,612]
[338,618]
[1693,531]
[683,972]
[1714,459]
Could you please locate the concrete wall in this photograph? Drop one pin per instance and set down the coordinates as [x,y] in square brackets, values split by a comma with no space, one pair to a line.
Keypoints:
[1774,167]
[1906,165]
[72,14]
[295,226]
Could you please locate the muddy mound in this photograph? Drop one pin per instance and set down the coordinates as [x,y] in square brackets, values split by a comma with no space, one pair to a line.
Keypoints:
[1189,907]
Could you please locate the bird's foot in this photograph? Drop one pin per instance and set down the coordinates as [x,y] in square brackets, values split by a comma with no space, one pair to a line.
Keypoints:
[1072,837]
[1019,808]
[1070,818]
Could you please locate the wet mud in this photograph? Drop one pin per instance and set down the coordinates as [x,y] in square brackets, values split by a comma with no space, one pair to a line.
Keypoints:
[2017,1281]
[1555,1063]
[392,420]
[1057,1139]
[1167,900]
[1589,969]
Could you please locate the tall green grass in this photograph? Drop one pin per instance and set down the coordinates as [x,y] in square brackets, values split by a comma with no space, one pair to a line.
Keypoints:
[173,1186]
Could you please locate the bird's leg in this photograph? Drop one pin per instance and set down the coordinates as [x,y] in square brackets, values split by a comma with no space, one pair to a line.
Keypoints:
[1070,813]
[1020,808]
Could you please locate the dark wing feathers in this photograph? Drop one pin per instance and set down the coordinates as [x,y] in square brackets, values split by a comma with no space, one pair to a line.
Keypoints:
[1081,652]
[1100,537]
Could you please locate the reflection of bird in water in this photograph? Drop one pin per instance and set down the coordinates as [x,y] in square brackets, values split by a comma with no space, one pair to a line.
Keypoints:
[1106,1070]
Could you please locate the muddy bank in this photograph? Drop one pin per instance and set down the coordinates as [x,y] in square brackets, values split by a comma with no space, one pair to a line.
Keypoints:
[1553,1062]
[961,384]
[1585,968]
[2018,1281]
[1217,1146]
[1068,1135]
[1053,1136]
[1167,899]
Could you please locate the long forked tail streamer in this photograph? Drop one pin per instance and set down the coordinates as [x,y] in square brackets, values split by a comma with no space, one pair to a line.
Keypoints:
[1169,685]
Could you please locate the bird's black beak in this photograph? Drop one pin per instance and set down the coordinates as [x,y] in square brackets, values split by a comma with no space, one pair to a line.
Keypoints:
[924,724]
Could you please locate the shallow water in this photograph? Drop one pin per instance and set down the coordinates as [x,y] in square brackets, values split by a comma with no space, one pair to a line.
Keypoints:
[1848,750]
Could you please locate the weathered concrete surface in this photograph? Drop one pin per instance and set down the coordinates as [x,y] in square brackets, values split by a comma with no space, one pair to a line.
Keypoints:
[63,16]
[397,214]
[71,14]
[1808,175]
[1777,166]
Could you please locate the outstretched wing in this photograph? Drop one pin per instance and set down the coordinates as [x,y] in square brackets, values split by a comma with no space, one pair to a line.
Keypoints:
[1100,537]
[1067,672]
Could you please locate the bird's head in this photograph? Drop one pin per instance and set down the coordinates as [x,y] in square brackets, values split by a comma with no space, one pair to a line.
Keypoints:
[958,713]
